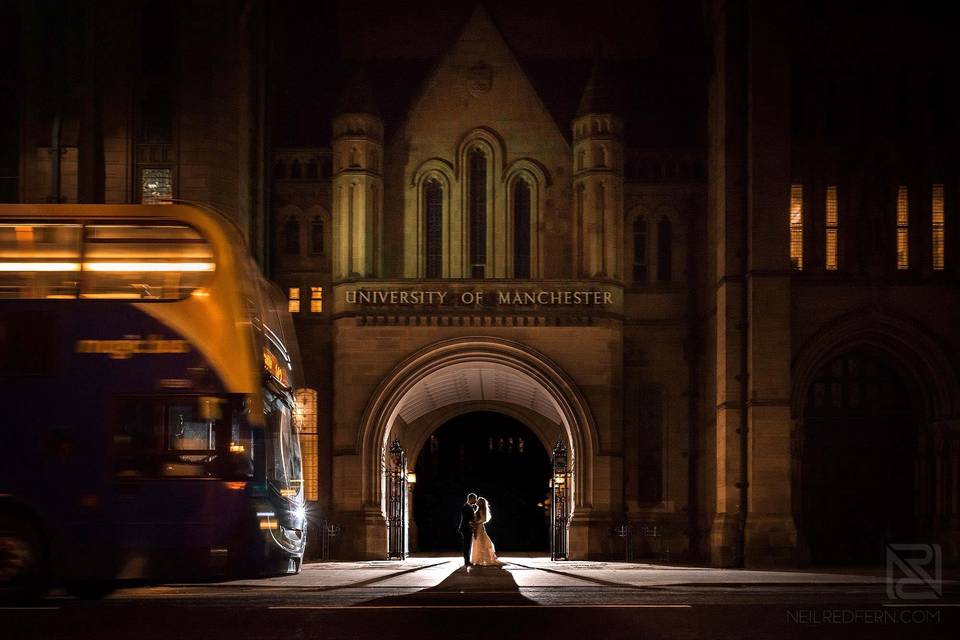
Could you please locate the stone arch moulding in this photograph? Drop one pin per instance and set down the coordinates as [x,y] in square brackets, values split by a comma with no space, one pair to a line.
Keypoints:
[577,423]
[529,168]
[488,140]
[433,167]
[925,365]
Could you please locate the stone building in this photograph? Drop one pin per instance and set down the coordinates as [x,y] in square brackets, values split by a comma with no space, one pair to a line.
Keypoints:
[738,317]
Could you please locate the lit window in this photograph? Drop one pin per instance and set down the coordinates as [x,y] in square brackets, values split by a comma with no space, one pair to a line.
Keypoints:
[305,419]
[293,300]
[832,227]
[796,226]
[937,220]
[903,228]
[316,299]
[156,186]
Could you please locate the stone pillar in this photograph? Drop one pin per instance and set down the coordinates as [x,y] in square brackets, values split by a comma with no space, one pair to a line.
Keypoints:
[771,535]
[726,211]
[749,200]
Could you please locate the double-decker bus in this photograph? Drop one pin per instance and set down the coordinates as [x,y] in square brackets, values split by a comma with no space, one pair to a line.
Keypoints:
[147,376]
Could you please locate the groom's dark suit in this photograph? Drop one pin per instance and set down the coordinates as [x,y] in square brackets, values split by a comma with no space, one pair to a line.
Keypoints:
[466,530]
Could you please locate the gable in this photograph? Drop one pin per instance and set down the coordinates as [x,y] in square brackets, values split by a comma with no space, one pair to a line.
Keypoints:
[480,83]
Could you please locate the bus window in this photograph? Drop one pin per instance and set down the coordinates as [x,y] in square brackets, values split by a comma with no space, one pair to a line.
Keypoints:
[191,441]
[178,437]
[39,260]
[158,262]
[283,457]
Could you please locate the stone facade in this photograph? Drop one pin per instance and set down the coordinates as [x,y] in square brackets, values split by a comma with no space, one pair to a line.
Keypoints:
[685,317]
[688,380]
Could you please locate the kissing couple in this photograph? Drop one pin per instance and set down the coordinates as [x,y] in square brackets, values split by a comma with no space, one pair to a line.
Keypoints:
[478,550]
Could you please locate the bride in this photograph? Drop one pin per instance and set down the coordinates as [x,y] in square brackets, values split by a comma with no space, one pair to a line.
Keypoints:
[483,553]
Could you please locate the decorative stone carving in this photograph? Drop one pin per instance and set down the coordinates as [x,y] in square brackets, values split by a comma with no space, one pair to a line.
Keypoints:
[479,79]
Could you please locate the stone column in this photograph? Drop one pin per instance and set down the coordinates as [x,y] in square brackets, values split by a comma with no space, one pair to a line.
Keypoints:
[771,535]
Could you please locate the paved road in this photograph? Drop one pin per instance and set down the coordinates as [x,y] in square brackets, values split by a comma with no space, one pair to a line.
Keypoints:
[529,598]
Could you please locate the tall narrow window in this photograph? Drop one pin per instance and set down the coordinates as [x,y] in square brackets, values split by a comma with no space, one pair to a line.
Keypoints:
[639,250]
[521,230]
[478,214]
[796,226]
[316,235]
[293,299]
[664,250]
[316,299]
[903,228]
[937,231]
[581,232]
[832,225]
[433,213]
[305,420]
[291,237]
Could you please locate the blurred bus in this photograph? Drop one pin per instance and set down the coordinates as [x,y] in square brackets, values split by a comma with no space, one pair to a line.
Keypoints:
[147,372]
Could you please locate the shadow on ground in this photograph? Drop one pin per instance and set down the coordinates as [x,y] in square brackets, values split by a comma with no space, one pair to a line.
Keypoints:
[473,587]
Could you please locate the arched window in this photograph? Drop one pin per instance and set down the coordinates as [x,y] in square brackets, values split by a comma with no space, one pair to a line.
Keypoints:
[581,159]
[639,250]
[291,237]
[316,235]
[521,230]
[312,169]
[279,170]
[664,250]
[478,214]
[295,170]
[433,216]
[602,156]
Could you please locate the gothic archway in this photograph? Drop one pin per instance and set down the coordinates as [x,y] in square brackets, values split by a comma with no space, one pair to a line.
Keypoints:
[874,406]
[472,370]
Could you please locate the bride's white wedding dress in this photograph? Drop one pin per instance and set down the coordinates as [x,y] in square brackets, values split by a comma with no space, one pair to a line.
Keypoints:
[483,553]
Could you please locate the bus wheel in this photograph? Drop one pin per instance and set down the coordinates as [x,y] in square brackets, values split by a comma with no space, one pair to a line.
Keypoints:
[22,577]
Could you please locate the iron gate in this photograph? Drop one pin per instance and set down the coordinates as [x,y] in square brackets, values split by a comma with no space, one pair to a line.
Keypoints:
[396,470]
[560,503]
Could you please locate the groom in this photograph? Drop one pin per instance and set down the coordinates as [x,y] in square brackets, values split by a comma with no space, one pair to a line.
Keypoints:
[467,526]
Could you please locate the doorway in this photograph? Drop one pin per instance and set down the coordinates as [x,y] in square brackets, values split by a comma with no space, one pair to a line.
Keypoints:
[495,456]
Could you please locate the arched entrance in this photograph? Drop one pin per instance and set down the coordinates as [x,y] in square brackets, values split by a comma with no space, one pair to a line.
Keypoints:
[457,376]
[875,400]
[857,465]
[495,456]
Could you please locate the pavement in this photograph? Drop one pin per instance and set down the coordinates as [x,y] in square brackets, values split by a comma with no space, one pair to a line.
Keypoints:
[427,597]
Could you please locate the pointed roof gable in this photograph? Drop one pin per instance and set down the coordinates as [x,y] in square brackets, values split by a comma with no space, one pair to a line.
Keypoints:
[483,66]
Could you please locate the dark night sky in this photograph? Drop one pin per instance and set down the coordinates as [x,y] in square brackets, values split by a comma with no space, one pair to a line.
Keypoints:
[649,45]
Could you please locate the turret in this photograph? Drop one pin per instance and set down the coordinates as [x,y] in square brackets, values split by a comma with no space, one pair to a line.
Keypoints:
[357,182]
[598,179]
